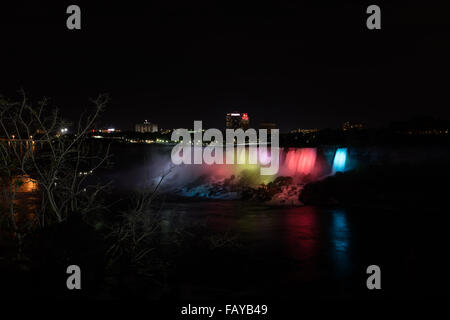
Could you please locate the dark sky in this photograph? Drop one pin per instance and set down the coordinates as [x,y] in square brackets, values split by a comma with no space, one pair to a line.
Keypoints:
[298,64]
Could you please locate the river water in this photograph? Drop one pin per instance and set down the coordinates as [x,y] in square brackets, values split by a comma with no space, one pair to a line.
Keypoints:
[301,251]
[311,252]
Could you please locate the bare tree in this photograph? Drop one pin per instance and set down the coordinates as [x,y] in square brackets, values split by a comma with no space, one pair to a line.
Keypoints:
[134,234]
[33,145]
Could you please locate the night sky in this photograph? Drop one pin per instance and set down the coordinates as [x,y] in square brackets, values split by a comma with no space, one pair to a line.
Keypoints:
[298,64]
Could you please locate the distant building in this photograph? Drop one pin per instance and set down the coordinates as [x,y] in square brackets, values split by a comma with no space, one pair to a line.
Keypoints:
[107,130]
[236,120]
[305,131]
[352,126]
[245,121]
[146,127]
[424,125]
[267,125]
[233,120]
[165,131]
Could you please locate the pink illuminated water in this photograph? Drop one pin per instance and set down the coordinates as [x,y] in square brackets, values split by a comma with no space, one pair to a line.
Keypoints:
[300,161]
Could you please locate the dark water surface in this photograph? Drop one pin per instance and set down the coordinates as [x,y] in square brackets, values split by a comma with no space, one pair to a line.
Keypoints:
[310,252]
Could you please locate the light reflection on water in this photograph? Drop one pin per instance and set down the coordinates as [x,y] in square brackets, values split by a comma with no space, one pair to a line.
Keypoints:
[27,185]
[311,241]
[282,252]
[340,237]
[25,199]
[302,231]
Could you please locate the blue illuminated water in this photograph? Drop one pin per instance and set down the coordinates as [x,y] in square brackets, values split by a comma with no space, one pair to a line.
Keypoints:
[340,158]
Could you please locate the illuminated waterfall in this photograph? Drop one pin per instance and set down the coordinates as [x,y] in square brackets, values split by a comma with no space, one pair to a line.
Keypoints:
[306,160]
[340,159]
[303,165]
[300,161]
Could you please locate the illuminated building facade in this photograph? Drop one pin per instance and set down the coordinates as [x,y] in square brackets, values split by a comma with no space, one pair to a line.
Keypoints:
[305,131]
[146,127]
[352,126]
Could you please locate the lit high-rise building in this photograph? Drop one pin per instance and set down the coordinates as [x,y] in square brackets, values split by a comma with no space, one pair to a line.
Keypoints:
[236,120]
[245,121]
[233,120]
